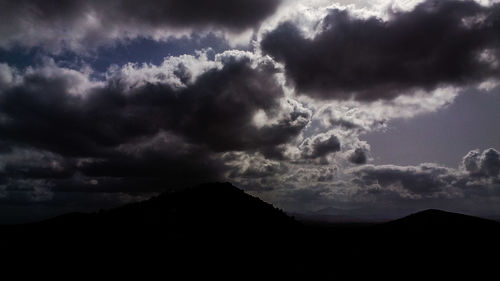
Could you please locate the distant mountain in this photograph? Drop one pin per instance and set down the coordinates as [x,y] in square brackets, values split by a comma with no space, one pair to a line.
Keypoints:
[436,220]
[434,240]
[338,215]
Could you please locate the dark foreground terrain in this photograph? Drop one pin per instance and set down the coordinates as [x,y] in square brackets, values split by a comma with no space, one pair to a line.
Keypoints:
[217,230]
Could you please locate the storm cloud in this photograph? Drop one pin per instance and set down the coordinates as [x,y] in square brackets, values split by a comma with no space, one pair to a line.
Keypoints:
[438,43]
[140,135]
[422,180]
[216,111]
[76,25]
[320,146]
[358,156]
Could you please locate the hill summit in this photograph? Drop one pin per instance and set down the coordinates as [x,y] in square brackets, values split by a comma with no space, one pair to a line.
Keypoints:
[213,205]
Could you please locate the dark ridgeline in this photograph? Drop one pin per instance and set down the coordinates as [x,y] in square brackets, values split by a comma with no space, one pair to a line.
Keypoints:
[218,230]
[208,229]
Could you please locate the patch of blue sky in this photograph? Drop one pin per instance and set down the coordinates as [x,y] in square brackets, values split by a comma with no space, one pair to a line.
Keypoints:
[141,50]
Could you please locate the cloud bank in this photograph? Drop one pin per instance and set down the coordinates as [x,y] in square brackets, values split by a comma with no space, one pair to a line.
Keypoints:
[437,43]
[57,25]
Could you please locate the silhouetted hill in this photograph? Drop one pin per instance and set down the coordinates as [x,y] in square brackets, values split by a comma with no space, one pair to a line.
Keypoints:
[206,227]
[217,205]
[436,220]
[218,230]
[208,211]
[433,241]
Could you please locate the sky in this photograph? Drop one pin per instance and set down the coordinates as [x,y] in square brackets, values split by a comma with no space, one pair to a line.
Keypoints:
[389,106]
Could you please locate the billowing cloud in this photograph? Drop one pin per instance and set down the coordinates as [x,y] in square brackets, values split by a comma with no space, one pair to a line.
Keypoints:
[216,110]
[320,146]
[144,128]
[358,156]
[486,164]
[478,175]
[408,181]
[80,25]
[389,191]
[436,44]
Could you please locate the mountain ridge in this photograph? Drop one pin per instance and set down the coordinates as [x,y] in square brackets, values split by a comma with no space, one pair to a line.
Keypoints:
[217,200]
[213,225]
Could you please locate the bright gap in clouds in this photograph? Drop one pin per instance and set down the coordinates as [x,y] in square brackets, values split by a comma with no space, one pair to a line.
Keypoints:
[133,51]
[444,136]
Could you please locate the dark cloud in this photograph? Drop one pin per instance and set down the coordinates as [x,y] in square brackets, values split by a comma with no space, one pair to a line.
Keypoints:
[37,171]
[183,73]
[68,24]
[437,43]
[420,180]
[42,113]
[122,137]
[165,163]
[320,146]
[231,14]
[470,161]
[4,148]
[485,164]
[358,156]
[490,162]
[217,111]
[479,176]
[237,14]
